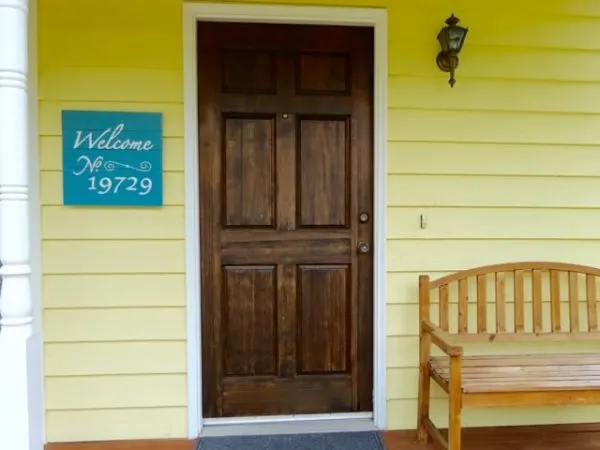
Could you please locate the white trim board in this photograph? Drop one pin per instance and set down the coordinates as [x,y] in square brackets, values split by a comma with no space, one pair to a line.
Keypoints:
[258,13]
[36,349]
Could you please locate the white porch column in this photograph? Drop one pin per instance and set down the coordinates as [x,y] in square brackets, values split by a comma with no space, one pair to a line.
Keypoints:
[15,296]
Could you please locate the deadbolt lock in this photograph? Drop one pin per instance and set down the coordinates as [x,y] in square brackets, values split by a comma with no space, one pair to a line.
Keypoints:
[363,247]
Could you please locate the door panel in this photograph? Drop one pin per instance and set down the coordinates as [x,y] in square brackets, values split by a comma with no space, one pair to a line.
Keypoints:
[285,142]
[324,328]
[323,164]
[249,158]
[250,299]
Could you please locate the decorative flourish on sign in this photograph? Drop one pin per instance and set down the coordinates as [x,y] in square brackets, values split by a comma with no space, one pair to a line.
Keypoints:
[109,166]
[145,166]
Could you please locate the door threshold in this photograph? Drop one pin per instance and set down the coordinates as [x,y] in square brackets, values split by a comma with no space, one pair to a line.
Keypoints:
[293,424]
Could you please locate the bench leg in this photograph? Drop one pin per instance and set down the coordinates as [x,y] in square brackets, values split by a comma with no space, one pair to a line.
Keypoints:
[424,386]
[454,422]
[424,390]
[454,426]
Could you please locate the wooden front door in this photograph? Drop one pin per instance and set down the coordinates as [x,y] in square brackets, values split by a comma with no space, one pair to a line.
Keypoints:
[286,204]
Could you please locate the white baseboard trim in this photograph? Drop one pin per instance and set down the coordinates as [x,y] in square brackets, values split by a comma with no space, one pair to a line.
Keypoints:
[320,423]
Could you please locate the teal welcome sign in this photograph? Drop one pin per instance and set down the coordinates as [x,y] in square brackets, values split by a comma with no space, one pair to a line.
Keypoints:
[112,158]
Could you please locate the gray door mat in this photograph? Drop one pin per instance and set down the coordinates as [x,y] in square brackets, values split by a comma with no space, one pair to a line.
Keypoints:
[360,440]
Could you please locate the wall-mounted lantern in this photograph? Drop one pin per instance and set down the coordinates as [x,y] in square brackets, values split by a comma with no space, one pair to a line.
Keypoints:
[451,39]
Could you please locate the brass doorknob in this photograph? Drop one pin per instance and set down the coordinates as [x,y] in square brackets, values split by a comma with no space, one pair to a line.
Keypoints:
[363,247]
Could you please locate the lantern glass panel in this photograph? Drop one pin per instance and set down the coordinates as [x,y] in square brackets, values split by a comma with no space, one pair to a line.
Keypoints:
[443,39]
[456,38]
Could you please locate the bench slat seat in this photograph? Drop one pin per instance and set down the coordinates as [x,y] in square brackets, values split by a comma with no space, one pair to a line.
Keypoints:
[522,373]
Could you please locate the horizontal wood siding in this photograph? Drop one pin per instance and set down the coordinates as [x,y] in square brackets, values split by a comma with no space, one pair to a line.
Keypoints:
[505,166]
[114,278]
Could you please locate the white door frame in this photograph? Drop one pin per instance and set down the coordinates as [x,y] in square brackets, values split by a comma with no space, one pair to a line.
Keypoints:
[260,13]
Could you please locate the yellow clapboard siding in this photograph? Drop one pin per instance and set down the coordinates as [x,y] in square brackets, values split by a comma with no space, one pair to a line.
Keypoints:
[89,257]
[80,68]
[51,189]
[550,32]
[402,351]
[402,415]
[552,8]
[507,29]
[157,48]
[116,424]
[503,223]
[51,154]
[106,291]
[546,9]
[50,122]
[111,325]
[402,319]
[493,191]
[453,255]
[495,95]
[493,62]
[147,48]
[114,358]
[402,287]
[479,126]
[574,7]
[62,13]
[403,383]
[111,84]
[117,223]
[123,391]
[363,3]
[520,108]
[491,159]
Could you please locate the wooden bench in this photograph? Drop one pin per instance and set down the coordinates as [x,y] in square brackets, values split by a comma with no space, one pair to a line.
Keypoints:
[506,303]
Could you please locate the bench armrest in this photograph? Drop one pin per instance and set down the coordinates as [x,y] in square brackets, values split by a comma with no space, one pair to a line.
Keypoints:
[442,339]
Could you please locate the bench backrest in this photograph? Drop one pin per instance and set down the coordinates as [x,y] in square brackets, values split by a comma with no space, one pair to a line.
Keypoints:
[514,301]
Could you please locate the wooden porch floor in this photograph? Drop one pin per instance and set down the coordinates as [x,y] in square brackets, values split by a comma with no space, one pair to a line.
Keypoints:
[561,437]
[552,437]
